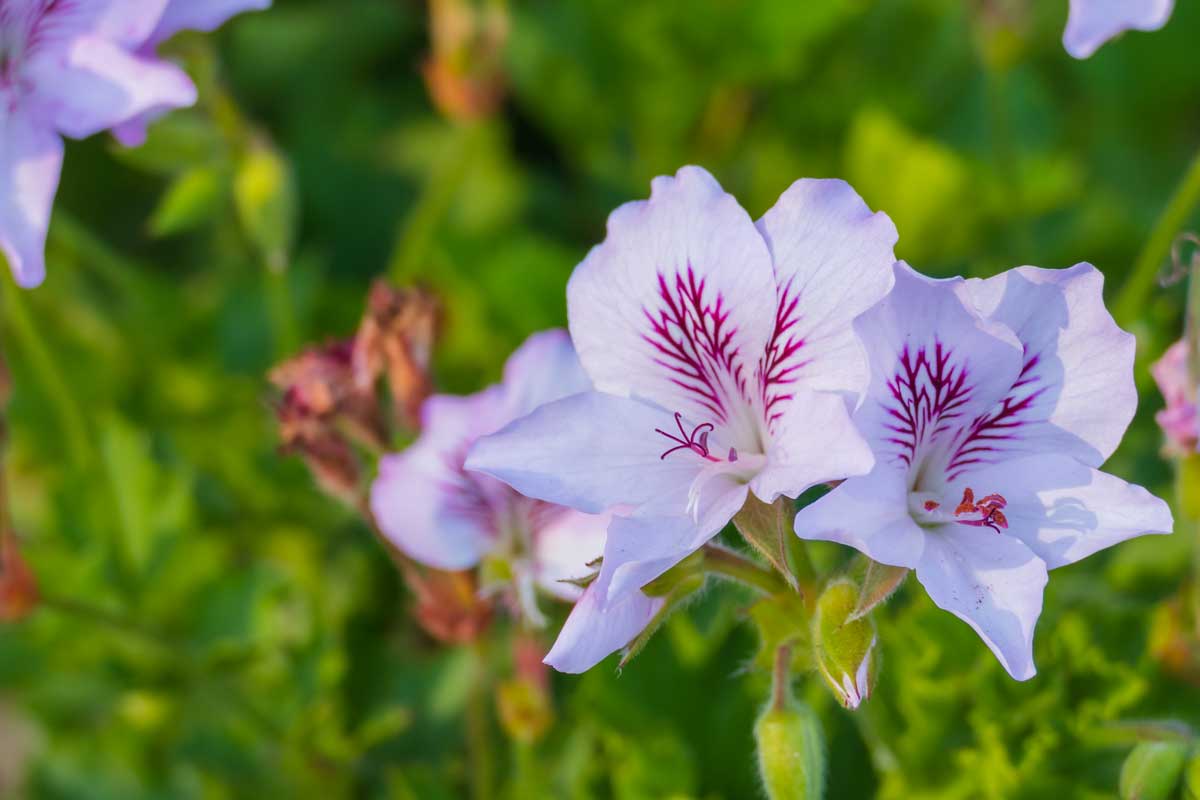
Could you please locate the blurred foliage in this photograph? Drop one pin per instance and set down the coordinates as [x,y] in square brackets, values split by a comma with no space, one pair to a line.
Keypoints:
[212,626]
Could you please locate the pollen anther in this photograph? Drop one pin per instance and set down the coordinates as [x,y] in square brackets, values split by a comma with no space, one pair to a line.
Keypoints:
[988,509]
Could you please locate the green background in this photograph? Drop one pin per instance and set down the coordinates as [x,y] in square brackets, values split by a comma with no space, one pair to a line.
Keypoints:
[215,627]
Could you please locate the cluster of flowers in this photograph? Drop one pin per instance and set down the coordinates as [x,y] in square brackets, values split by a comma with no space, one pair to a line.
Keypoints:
[714,361]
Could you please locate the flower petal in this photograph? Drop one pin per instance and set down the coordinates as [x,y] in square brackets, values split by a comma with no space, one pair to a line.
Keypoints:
[869,514]
[423,500]
[677,304]
[1064,511]
[590,451]
[97,84]
[993,583]
[1075,394]
[936,365]
[814,441]
[640,549]
[30,163]
[1091,23]
[564,548]
[200,15]
[833,260]
[596,629]
[542,370]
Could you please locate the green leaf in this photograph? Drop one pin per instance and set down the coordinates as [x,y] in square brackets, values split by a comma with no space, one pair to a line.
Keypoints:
[1152,770]
[880,583]
[768,528]
[190,200]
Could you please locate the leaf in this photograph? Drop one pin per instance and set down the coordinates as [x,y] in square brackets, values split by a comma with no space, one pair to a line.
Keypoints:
[188,202]
[768,528]
[880,583]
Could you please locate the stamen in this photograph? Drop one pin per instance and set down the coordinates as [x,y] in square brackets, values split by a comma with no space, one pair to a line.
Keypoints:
[930,505]
[696,441]
[988,509]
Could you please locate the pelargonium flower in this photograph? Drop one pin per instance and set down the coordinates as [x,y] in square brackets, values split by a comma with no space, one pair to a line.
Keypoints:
[1091,23]
[724,363]
[991,405]
[442,516]
[1178,420]
[72,68]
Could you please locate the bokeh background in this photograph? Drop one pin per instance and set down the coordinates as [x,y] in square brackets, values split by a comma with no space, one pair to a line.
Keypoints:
[213,626]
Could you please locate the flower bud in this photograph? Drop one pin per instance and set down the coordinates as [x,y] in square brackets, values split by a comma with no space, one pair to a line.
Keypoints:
[465,73]
[1152,770]
[791,752]
[524,709]
[844,647]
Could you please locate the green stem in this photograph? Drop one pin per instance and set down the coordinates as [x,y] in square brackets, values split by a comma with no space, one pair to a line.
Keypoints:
[1140,283]
[781,678]
[441,187]
[729,564]
[479,738]
[282,312]
[55,390]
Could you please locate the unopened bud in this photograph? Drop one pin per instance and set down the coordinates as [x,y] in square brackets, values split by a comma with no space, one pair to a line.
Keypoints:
[524,709]
[844,647]
[1152,770]
[465,73]
[18,586]
[791,752]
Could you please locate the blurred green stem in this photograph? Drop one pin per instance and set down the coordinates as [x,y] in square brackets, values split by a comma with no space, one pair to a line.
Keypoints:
[479,738]
[55,390]
[445,177]
[283,316]
[1140,283]
[730,564]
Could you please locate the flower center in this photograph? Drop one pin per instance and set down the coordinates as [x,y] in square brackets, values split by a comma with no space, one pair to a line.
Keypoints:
[987,512]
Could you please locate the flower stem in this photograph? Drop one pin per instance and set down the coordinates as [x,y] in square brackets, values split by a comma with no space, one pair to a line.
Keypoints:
[54,387]
[479,739]
[729,564]
[1138,286]
[781,678]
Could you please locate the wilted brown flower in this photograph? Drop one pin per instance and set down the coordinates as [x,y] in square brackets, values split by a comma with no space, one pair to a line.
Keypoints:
[395,342]
[321,404]
[465,72]
[18,586]
[449,607]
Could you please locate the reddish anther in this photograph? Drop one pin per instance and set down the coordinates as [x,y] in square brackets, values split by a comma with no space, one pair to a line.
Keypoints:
[989,509]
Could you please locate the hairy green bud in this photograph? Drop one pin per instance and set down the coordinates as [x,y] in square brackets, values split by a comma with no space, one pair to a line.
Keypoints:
[791,752]
[1152,770]
[843,645]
